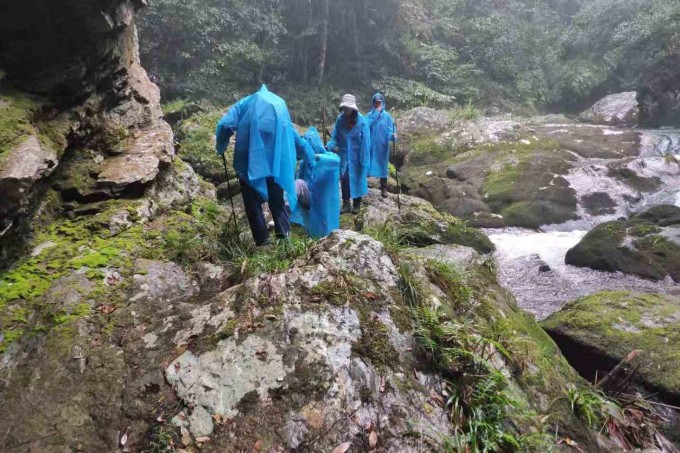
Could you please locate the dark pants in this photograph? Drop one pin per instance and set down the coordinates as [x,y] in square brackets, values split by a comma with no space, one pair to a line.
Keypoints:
[253,204]
[383,183]
[346,192]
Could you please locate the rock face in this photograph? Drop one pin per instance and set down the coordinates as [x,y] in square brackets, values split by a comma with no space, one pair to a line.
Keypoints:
[417,223]
[646,245]
[660,93]
[21,168]
[92,118]
[619,109]
[599,331]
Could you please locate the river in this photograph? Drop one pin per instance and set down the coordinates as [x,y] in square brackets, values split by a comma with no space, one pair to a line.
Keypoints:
[531,263]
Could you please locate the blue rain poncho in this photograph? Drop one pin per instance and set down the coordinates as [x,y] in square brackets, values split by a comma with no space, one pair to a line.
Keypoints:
[383,131]
[323,215]
[355,152]
[305,152]
[313,140]
[265,142]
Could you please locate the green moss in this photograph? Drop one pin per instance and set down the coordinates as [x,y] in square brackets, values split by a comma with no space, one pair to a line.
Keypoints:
[459,232]
[9,336]
[643,229]
[615,323]
[16,114]
[652,256]
[526,191]
[77,246]
[429,149]
[196,137]
[374,343]
[77,312]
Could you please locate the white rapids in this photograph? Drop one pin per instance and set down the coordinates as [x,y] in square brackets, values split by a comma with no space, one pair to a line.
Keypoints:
[521,253]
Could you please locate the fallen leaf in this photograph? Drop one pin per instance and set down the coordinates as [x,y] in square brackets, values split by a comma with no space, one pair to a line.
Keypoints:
[186,437]
[437,397]
[106,309]
[370,295]
[219,419]
[382,384]
[124,438]
[342,448]
[372,440]
[258,445]
[160,419]
[368,425]
[632,355]
[202,440]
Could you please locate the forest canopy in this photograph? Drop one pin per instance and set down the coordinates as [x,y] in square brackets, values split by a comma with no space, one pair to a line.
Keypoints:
[507,55]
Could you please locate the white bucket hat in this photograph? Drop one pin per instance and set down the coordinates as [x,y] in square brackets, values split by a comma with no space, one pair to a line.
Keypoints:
[348,100]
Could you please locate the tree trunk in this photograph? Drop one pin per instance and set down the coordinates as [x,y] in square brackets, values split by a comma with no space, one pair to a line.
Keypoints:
[305,46]
[324,41]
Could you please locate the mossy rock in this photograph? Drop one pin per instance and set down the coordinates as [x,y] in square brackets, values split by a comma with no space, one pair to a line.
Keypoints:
[598,203]
[196,146]
[515,183]
[641,246]
[663,215]
[632,179]
[597,332]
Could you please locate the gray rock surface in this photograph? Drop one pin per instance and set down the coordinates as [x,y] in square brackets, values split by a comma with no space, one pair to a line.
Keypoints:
[164,281]
[620,109]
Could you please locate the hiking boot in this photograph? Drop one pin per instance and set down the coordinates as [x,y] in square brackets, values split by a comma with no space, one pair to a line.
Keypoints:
[383,192]
[346,207]
[357,206]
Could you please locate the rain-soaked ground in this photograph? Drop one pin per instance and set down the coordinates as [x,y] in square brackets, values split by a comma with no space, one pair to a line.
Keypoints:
[521,253]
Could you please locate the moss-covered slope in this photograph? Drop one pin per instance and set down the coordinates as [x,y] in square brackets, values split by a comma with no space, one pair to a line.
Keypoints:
[599,331]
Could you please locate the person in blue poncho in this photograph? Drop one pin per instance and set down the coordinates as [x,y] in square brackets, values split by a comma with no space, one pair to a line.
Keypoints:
[383,131]
[352,138]
[264,158]
[318,195]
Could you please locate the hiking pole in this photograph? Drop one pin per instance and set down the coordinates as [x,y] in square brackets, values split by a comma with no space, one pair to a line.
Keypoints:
[231,197]
[396,174]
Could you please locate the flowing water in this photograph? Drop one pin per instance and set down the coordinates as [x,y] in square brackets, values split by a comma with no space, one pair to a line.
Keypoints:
[531,263]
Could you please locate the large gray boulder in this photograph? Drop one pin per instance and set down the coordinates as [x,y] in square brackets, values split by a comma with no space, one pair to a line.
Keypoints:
[620,109]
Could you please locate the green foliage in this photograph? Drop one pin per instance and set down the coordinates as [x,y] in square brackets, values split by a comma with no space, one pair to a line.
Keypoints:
[464,112]
[512,54]
[207,234]
[447,277]
[588,405]
[275,258]
[162,439]
[479,397]
[407,93]
[197,147]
